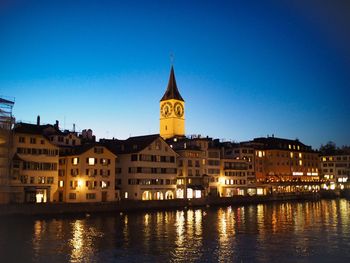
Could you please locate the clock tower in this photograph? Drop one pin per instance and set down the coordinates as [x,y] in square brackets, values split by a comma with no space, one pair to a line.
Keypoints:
[172,111]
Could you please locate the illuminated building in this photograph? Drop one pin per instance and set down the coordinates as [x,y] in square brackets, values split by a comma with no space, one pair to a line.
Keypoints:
[192,178]
[335,170]
[146,167]
[172,111]
[6,123]
[87,174]
[34,165]
[213,168]
[242,152]
[284,160]
[233,177]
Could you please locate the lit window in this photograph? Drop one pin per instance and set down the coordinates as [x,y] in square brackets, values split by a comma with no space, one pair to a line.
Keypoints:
[260,154]
[103,184]
[290,146]
[75,160]
[259,191]
[126,195]
[61,183]
[300,155]
[197,194]
[298,147]
[180,193]
[41,180]
[189,193]
[300,162]
[40,196]
[91,161]
[180,182]
[291,154]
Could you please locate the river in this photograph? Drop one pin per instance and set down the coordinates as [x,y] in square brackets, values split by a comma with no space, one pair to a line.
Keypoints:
[312,231]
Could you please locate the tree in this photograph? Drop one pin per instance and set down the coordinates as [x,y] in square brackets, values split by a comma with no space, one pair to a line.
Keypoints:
[329,149]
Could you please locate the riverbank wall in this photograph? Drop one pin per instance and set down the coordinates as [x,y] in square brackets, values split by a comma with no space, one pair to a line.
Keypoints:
[133,205]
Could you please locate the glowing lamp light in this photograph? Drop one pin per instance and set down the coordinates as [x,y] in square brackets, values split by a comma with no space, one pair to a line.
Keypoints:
[80,183]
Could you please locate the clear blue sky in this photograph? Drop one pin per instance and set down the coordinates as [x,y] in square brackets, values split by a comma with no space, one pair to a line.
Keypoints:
[245,68]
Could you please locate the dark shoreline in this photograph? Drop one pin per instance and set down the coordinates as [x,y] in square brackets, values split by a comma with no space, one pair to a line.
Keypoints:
[53,209]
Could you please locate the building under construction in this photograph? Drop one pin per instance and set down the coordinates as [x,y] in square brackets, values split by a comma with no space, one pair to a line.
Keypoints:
[6,124]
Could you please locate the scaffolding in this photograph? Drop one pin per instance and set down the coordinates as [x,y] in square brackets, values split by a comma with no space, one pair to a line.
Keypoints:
[6,125]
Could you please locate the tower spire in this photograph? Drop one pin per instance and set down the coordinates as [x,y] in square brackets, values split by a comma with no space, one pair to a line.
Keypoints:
[172,92]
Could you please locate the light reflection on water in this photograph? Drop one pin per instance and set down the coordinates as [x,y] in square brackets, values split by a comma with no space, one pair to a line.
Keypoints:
[291,232]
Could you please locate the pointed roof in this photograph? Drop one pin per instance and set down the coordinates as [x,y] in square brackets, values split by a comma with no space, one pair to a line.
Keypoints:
[172,92]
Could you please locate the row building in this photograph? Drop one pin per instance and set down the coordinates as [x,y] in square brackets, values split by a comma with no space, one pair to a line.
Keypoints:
[48,164]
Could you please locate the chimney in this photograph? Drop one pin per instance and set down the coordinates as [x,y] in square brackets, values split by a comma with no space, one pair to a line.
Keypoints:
[84,134]
[56,125]
[73,127]
[38,120]
[89,134]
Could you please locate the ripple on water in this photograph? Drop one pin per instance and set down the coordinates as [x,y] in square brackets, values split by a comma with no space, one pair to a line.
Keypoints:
[289,232]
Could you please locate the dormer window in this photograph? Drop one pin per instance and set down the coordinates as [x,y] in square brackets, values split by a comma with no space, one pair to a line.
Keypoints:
[98,150]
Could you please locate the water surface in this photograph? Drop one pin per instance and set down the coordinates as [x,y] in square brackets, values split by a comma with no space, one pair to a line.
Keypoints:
[317,231]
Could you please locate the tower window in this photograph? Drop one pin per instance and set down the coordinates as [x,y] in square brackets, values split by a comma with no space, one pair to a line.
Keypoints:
[166,127]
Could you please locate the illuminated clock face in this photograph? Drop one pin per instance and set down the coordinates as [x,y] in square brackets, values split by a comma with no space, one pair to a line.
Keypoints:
[166,109]
[179,109]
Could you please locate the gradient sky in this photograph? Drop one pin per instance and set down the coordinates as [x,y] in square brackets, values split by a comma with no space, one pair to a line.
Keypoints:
[245,68]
